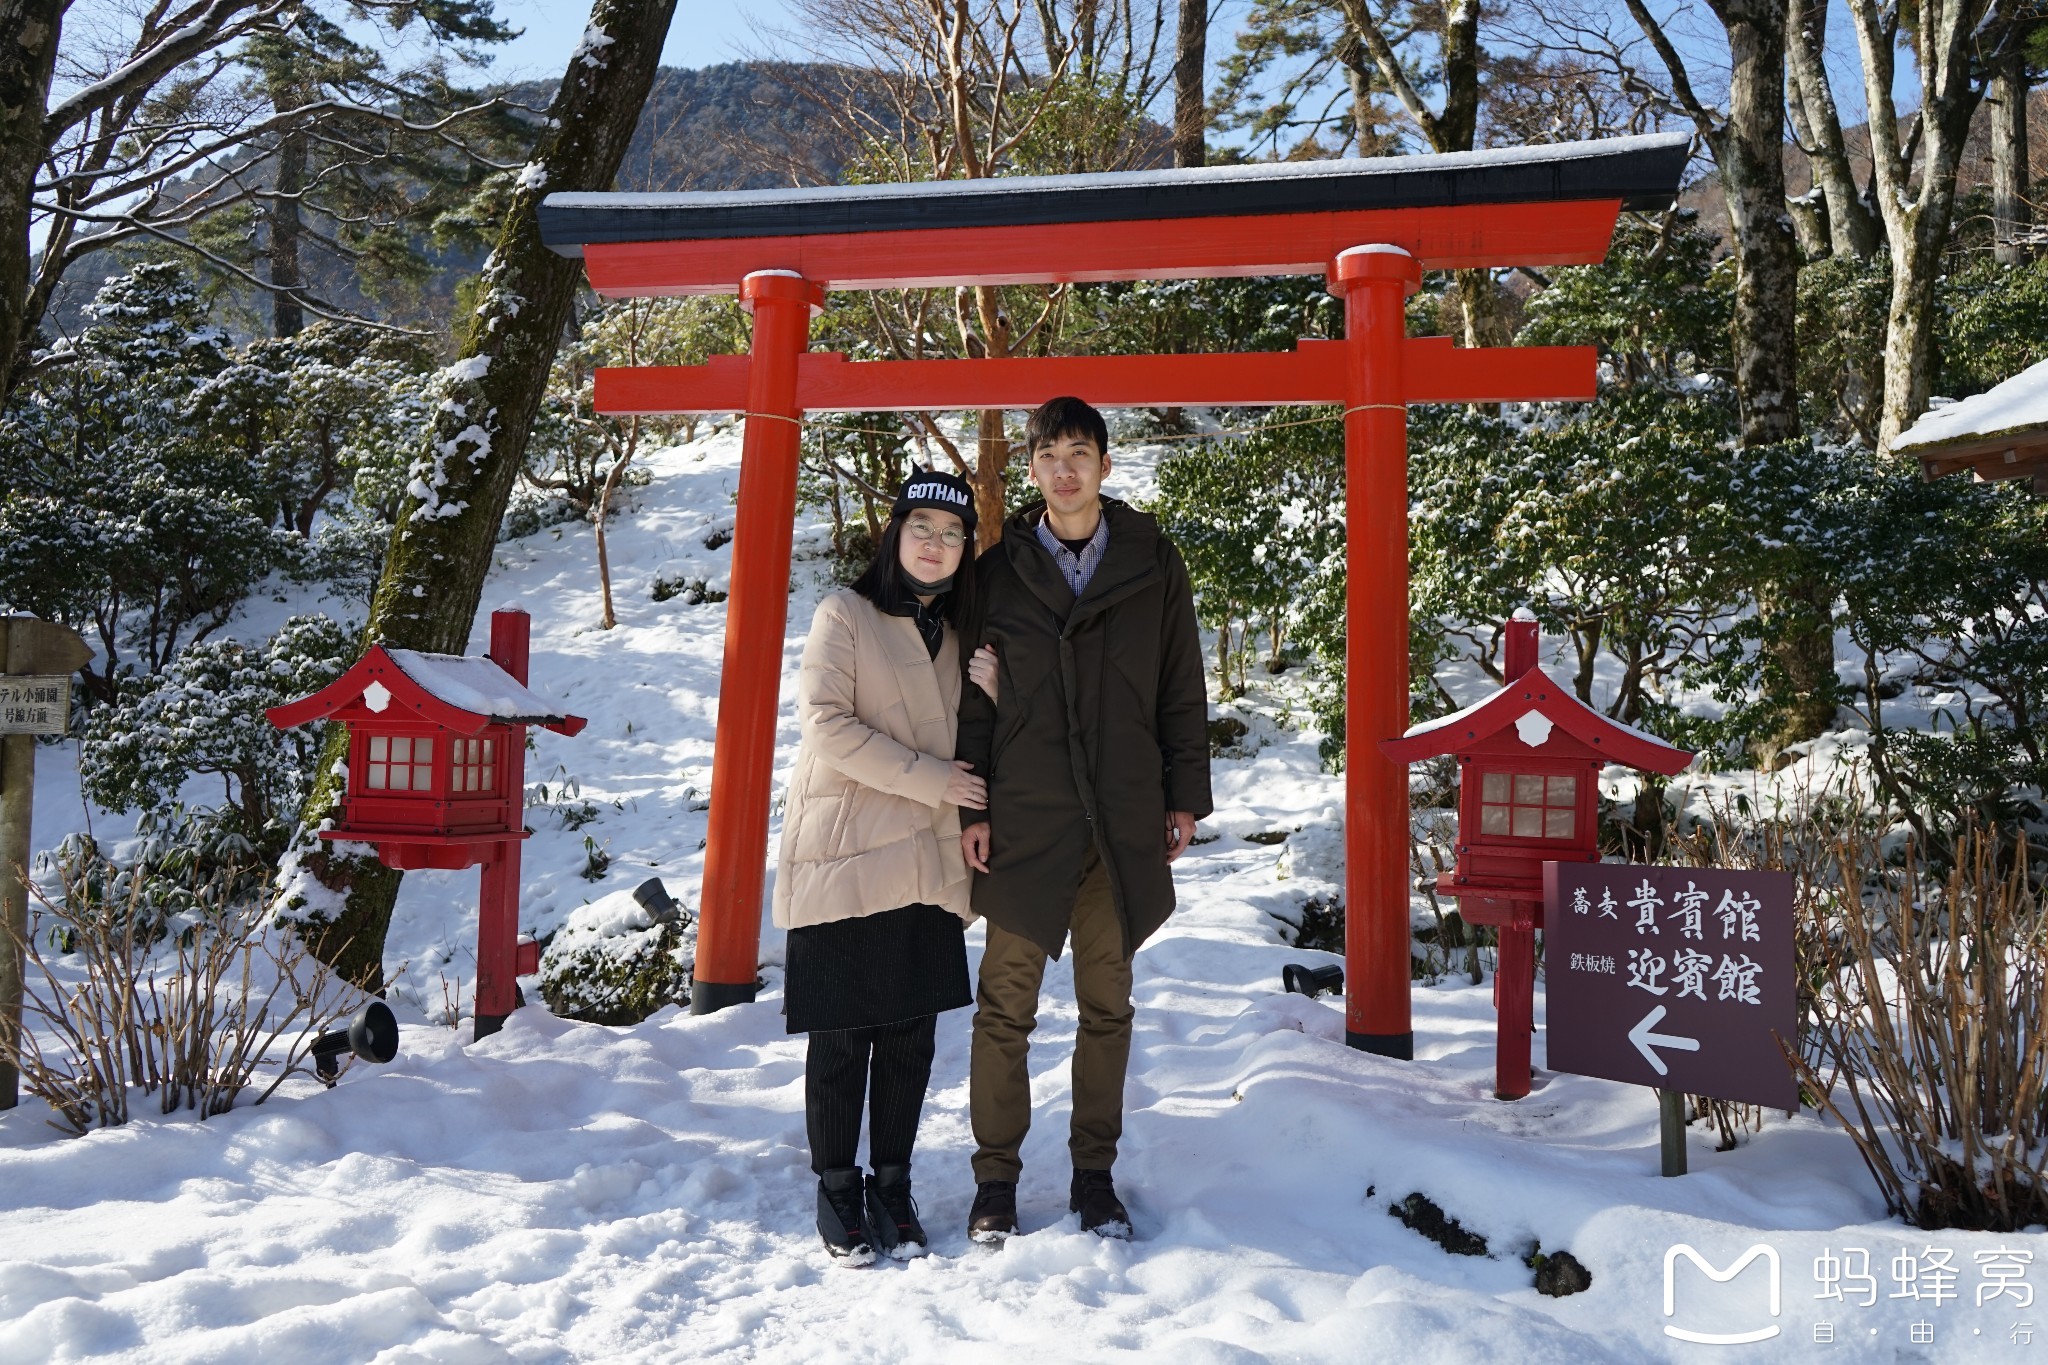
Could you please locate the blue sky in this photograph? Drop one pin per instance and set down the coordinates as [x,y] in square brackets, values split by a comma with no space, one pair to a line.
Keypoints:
[707,32]
[704,33]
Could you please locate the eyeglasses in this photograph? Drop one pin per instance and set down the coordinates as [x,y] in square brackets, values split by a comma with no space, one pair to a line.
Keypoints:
[953,537]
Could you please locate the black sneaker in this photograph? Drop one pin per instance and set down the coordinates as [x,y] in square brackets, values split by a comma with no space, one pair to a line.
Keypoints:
[841,1220]
[1093,1196]
[994,1215]
[892,1213]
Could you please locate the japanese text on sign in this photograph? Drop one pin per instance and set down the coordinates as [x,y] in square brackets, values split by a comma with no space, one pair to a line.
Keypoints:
[35,705]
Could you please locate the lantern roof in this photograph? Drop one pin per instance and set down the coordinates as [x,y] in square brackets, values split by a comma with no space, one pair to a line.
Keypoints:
[459,692]
[1534,704]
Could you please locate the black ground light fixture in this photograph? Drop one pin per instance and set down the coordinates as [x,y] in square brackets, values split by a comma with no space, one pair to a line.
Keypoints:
[1302,979]
[372,1035]
[656,901]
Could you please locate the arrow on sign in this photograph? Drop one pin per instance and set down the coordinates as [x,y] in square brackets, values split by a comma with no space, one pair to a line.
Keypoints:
[1645,1040]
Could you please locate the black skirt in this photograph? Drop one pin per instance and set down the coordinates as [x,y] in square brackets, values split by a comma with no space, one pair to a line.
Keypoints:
[875,969]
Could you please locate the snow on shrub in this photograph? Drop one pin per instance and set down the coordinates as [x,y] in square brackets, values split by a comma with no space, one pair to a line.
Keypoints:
[613,963]
[203,717]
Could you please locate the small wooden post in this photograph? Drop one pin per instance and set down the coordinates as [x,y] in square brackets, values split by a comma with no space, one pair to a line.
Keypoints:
[49,653]
[1671,1130]
[17,788]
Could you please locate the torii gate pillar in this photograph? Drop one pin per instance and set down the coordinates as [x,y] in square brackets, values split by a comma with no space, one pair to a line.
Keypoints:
[1375,282]
[757,621]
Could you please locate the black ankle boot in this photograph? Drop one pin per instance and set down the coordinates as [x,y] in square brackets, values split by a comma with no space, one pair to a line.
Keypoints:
[892,1213]
[1093,1196]
[841,1220]
[994,1215]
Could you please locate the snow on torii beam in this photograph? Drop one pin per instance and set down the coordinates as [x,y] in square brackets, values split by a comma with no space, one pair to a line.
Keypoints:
[1372,226]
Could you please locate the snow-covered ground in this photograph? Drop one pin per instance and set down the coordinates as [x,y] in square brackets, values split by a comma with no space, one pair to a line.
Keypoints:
[573,1192]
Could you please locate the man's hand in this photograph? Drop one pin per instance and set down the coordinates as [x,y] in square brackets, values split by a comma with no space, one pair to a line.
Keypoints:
[963,788]
[974,845]
[981,670]
[1180,832]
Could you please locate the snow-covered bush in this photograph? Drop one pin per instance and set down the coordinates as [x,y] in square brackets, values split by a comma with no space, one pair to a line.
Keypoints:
[1945,586]
[1255,519]
[202,717]
[612,962]
[152,474]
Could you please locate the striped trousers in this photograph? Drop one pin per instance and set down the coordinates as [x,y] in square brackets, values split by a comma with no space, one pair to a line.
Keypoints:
[889,1067]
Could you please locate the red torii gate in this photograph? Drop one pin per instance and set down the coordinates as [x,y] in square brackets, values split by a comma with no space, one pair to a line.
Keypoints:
[1372,226]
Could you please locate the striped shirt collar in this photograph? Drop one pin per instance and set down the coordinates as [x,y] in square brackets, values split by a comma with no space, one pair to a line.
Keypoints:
[1077,569]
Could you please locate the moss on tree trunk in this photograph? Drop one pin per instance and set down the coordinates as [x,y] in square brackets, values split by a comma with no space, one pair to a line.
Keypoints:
[441,550]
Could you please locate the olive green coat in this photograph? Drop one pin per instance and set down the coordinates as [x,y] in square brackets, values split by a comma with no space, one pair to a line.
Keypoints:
[1099,729]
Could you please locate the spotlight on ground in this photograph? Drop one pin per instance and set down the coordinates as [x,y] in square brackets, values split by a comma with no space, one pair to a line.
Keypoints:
[371,1035]
[1301,979]
[656,901]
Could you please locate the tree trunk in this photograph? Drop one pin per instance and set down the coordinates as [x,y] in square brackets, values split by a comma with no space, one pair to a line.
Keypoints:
[28,53]
[1852,228]
[448,522]
[287,313]
[1916,181]
[1909,324]
[2010,215]
[1751,157]
[1190,112]
[991,460]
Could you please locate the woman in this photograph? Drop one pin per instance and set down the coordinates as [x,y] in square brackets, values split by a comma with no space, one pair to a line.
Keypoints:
[871,883]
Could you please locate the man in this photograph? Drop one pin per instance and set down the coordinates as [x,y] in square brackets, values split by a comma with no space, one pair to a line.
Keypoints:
[1096,752]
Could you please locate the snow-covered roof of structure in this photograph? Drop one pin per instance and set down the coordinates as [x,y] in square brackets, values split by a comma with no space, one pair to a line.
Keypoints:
[464,693]
[477,684]
[2019,404]
[1535,693]
[2001,433]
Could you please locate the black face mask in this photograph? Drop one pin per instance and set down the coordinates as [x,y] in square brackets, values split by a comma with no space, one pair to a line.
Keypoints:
[919,586]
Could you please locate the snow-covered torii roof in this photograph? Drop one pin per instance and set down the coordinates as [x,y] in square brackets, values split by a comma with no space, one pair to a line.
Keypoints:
[1553,204]
[462,693]
[1533,704]
[2001,433]
[1640,171]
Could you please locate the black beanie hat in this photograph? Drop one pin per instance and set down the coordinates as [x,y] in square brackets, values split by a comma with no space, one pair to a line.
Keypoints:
[935,489]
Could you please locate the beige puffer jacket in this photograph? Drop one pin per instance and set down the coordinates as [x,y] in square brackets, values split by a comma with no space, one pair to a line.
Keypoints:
[866,827]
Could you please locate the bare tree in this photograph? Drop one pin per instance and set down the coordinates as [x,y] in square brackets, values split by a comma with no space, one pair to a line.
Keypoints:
[1955,45]
[1454,127]
[969,89]
[1852,228]
[144,126]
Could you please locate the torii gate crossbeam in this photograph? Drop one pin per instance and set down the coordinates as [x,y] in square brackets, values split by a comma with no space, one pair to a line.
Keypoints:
[1370,226]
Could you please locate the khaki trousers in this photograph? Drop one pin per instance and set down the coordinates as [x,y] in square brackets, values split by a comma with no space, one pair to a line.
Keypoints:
[999,1078]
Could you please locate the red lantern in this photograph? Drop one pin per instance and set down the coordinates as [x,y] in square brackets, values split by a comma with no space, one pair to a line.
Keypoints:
[437,774]
[1529,761]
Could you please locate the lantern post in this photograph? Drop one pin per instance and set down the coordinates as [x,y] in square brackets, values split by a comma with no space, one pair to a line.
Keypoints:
[1375,282]
[757,618]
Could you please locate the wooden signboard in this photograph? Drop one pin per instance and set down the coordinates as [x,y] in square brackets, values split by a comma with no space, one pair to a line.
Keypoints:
[39,704]
[1680,978]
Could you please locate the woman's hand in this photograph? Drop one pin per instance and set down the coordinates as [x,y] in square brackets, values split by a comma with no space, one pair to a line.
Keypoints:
[963,788]
[981,669]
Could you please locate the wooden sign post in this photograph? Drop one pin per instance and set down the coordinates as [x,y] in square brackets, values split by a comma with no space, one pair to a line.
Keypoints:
[37,659]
